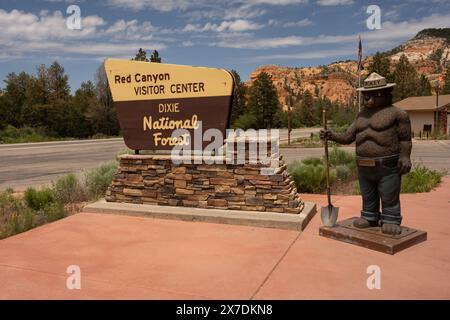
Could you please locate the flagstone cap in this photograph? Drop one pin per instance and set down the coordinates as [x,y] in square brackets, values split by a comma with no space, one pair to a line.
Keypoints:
[375,82]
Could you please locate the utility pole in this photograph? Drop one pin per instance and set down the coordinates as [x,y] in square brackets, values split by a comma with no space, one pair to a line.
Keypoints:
[289,124]
[436,116]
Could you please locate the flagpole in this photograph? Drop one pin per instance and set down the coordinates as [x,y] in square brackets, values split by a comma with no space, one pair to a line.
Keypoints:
[359,72]
[359,86]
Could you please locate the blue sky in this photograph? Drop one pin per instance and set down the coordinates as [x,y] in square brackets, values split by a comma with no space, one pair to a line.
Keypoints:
[231,34]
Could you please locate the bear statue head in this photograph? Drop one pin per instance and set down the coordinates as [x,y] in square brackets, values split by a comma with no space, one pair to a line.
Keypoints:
[376,92]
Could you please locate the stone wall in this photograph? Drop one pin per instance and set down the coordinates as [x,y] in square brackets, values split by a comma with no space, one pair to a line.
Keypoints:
[155,179]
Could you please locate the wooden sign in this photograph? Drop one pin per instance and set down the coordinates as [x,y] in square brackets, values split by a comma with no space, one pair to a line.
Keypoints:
[154,99]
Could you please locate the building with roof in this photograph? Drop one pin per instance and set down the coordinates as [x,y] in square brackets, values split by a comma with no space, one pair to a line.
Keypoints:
[422,112]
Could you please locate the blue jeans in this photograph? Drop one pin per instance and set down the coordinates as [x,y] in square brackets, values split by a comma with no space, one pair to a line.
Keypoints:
[381,182]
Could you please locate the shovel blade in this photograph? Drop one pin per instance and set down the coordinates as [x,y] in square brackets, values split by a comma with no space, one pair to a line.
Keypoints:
[329,216]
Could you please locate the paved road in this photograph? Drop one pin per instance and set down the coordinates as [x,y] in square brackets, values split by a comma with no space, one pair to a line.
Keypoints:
[432,154]
[34,164]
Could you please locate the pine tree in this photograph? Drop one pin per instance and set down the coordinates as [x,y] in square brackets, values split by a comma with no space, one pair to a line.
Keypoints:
[381,65]
[155,57]
[238,107]
[141,55]
[446,87]
[58,82]
[263,101]
[407,80]
[15,99]
[425,86]
[307,113]
[101,113]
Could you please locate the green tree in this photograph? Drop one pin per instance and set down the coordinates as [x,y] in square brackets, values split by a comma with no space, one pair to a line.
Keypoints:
[155,57]
[14,99]
[141,55]
[381,65]
[307,113]
[446,87]
[407,80]
[58,82]
[238,107]
[425,86]
[263,101]
[101,113]
[83,98]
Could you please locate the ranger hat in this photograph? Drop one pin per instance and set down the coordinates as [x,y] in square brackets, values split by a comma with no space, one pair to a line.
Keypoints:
[375,82]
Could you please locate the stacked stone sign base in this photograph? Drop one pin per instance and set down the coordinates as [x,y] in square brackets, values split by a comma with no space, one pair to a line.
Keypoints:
[155,179]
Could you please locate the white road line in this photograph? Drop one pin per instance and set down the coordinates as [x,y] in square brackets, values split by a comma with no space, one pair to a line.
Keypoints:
[59,146]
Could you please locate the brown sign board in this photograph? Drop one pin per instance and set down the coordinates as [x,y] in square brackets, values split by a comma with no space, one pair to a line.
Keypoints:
[152,100]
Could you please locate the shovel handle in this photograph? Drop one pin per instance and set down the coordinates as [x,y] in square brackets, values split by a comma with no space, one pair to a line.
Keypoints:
[327,167]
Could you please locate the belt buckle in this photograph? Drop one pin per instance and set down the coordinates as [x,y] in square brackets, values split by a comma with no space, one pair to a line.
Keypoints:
[366,162]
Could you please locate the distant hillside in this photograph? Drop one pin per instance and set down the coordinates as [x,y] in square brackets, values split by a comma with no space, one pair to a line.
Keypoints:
[428,52]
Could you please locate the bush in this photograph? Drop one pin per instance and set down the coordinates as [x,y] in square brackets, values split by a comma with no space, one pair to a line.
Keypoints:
[309,175]
[245,121]
[421,179]
[98,180]
[15,217]
[340,157]
[69,190]
[342,172]
[312,161]
[53,211]
[39,199]
[11,134]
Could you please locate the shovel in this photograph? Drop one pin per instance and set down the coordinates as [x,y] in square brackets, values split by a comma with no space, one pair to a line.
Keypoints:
[329,213]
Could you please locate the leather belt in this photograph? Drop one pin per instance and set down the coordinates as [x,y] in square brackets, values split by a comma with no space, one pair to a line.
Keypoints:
[373,162]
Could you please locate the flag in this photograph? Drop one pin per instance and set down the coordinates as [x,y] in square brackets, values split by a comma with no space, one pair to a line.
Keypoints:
[360,54]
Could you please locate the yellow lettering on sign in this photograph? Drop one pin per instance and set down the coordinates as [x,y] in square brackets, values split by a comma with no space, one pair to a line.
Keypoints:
[165,123]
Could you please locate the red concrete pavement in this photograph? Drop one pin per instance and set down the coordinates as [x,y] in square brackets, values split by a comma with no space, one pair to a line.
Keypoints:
[124,257]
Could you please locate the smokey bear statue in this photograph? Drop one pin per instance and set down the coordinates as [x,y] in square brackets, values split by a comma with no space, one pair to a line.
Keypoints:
[383,148]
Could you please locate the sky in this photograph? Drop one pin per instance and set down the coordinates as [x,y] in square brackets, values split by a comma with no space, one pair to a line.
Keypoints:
[230,34]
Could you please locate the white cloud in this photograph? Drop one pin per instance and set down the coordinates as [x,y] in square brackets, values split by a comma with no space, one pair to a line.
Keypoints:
[319,54]
[277,2]
[188,43]
[301,23]
[46,33]
[265,43]
[334,2]
[391,33]
[160,5]
[226,26]
[227,9]
[131,30]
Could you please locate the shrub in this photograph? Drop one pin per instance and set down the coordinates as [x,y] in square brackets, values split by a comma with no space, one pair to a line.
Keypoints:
[15,217]
[309,175]
[69,190]
[11,134]
[39,199]
[97,180]
[356,188]
[340,157]
[53,211]
[245,121]
[421,179]
[342,172]
[312,161]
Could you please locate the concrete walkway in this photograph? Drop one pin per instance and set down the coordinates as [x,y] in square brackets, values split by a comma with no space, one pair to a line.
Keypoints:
[123,257]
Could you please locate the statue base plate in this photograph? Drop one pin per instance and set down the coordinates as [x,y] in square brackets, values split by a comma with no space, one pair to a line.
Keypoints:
[373,238]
